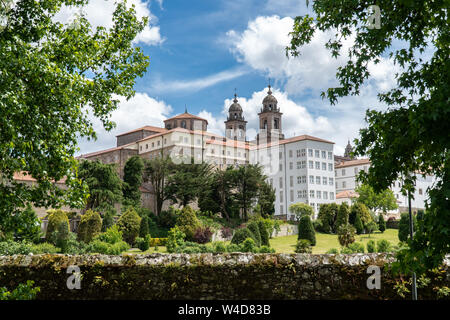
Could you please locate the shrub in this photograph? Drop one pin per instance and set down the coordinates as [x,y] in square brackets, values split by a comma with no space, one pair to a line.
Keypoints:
[143,228]
[306,230]
[9,248]
[129,223]
[371,246]
[263,231]
[233,248]
[301,209]
[22,292]
[154,242]
[381,223]
[44,248]
[318,226]
[383,245]
[57,228]
[358,225]
[143,243]
[176,238]
[359,209]
[111,235]
[240,235]
[355,247]
[90,226]
[266,249]
[249,245]
[27,225]
[403,227]
[97,246]
[371,226]
[220,247]
[342,215]
[168,218]
[108,218]
[72,246]
[188,222]
[303,246]
[332,251]
[203,235]
[392,223]
[254,229]
[346,235]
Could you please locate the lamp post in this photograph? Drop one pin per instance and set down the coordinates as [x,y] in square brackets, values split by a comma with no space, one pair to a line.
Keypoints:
[411,232]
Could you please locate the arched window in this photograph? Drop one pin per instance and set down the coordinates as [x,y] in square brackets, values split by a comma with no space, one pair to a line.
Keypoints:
[276,124]
[183,124]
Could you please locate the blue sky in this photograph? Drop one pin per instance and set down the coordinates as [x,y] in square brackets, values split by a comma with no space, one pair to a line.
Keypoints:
[200,51]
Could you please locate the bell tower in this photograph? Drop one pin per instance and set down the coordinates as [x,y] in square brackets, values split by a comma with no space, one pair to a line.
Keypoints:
[270,126]
[235,126]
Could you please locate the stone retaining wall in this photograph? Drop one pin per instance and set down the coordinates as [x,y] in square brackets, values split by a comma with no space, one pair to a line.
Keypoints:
[210,276]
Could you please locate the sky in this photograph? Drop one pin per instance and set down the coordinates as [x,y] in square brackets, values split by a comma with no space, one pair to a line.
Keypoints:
[202,51]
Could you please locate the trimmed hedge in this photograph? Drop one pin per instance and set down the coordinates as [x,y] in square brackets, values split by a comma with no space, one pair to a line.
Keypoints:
[90,226]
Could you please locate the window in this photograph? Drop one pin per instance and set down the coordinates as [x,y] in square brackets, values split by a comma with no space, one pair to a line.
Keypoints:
[420,191]
[311,164]
[331,181]
[185,139]
[299,164]
[317,153]
[310,152]
[311,193]
[291,195]
[290,153]
[317,180]
[324,166]
[344,184]
[313,205]
[159,142]
[298,153]
[281,167]
[325,195]
[299,180]
[299,194]
[281,182]
[303,153]
[304,193]
[311,179]
[146,146]
[317,165]
[331,195]
[324,181]
[291,165]
[319,194]
[291,181]
[280,155]
[330,167]
[304,164]
[281,209]
[281,196]
[303,179]
[343,172]
[324,154]
[330,155]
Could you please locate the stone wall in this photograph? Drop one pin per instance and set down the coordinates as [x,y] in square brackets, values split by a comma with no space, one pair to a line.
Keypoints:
[209,276]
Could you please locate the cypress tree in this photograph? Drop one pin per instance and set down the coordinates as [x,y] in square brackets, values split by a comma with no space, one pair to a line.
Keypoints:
[306,230]
[143,229]
[254,229]
[358,225]
[264,234]
[381,223]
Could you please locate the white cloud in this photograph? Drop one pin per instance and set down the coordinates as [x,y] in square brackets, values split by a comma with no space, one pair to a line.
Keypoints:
[100,12]
[139,111]
[197,84]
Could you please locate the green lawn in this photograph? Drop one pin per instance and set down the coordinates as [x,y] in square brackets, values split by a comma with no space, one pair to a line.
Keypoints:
[324,242]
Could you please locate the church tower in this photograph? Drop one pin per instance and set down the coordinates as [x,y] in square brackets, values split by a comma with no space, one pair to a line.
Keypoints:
[270,120]
[348,151]
[235,126]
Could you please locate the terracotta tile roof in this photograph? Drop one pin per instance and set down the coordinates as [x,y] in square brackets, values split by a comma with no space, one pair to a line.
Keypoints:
[178,129]
[96,153]
[186,115]
[145,128]
[230,143]
[23,176]
[347,194]
[293,139]
[350,163]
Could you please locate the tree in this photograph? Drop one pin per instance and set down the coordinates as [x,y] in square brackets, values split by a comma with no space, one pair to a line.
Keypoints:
[343,214]
[264,232]
[403,227]
[266,200]
[359,209]
[301,209]
[157,172]
[358,225]
[346,235]
[188,222]
[410,136]
[371,227]
[381,223]
[52,76]
[254,229]
[306,230]
[132,179]
[247,180]
[384,200]
[105,186]
[143,228]
[58,229]
[328,213]
[187,181]
[27,225]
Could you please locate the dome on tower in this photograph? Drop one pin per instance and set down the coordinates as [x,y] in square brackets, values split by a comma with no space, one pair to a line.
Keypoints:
[235,107]
[269,102]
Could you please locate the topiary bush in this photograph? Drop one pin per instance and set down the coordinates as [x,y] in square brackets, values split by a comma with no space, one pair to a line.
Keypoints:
[371,246]
[109,242]
[57,228]
[384,245]
[356,247]
[129,223]
[174,239]
[240,235]
[346,235]
[303,246]
[381,223]
[306,230]
[90,226]
[220,247]
[143,228]
[188,222]
[266,249]
[358,225]
[44,248]
[249,245]
[143,243]
[254,229]
[263,231]
[332,251]
[342,215]
[234,247]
